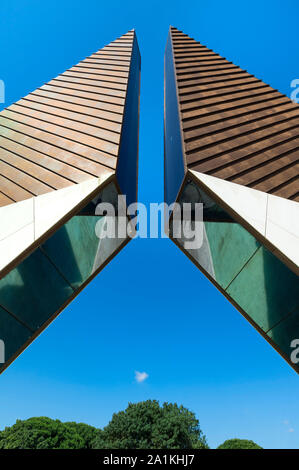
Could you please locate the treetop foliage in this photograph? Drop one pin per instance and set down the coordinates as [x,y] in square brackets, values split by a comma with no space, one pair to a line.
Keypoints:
[239,444]
[147,425]
[143,425]
[47,433]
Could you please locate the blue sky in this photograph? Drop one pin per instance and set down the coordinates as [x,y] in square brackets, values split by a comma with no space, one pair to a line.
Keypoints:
[151,310]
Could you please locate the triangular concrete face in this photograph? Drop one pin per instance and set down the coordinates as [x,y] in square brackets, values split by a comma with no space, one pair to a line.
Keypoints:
[276,219]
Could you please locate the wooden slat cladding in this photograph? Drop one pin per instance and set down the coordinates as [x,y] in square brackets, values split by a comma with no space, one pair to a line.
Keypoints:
[235,126]
[69,129]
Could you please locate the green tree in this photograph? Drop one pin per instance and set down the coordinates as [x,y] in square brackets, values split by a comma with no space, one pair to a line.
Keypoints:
[239,444]
[46,433]
[147,425]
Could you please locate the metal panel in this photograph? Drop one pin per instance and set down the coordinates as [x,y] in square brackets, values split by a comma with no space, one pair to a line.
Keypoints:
[174,166]
[127,163]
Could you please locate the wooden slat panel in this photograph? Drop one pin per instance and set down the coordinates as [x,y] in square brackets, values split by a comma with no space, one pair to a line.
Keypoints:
[115,49]
[76,106]
[72,166]
[69,129]
[207,100]
[211,164]
[189,78]
[113,55]
[202,111]
[66,119]
[59,130]
[69,111]
[283,176]
[60,142]
[97,82]
[5,200]
[108,111]
[234,126]
[238,167]
[244,140]
[122,44]
[235,112]
[12,190]
[20,177]
[205,92]
[213,79]
[192,71]
[32,165]
[65,122]
[105,63]
[252,177]
[111,58]
[75,91]
[201,59]
[193,60]
[111,96]
[216,126]
[289,191]
[96,74]
[219,85]
[267,125]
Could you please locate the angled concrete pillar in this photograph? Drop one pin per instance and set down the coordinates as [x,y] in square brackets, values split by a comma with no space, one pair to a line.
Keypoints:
[65,147]
[232,144]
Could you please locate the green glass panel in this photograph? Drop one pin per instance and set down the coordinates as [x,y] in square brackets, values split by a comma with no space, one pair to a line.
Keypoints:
[34,290]
[12,333]
[265,289]
[43,283]
[285,332]
[231,247]
[73,249]
[255,279]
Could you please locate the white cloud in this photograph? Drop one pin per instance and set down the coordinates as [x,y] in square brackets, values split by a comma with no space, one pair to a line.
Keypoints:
[140,376]
[287,423]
